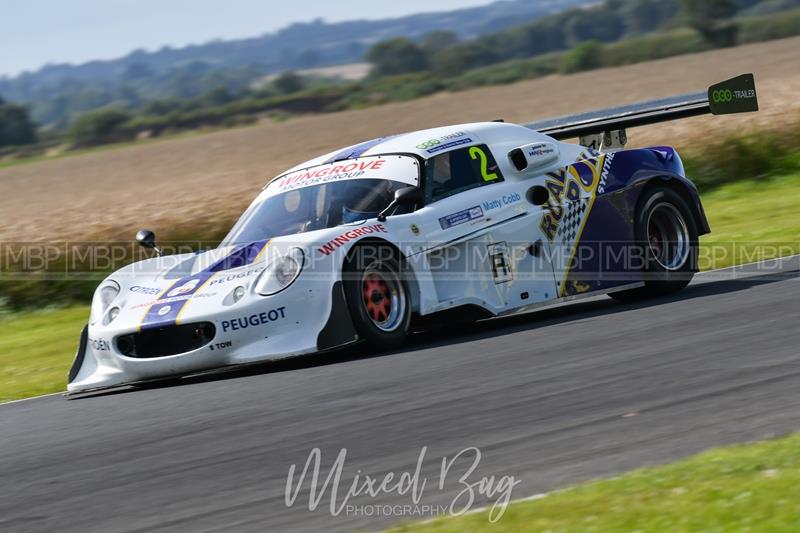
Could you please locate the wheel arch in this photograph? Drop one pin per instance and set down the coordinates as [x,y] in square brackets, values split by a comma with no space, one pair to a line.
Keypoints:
[681,186]
[409,274]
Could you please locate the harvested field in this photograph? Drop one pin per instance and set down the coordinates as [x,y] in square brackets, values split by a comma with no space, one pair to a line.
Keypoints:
[203,181]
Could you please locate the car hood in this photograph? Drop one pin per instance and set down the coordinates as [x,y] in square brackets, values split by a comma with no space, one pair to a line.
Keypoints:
[156,292]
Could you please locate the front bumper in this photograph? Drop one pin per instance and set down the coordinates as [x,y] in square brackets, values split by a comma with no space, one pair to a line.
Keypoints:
[297,321]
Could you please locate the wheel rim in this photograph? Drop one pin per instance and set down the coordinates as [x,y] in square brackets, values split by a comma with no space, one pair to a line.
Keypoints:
[668,236]
[383,298]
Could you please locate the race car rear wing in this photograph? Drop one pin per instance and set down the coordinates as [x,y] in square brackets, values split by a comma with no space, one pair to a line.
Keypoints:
[606,129]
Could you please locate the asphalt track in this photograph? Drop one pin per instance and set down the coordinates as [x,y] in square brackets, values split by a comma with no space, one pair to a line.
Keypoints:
[552,398]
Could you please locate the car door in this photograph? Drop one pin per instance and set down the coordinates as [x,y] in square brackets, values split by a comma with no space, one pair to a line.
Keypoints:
[484,242]
[573,191]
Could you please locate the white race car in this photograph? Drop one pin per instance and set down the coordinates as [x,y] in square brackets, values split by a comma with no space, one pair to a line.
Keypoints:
[477,220]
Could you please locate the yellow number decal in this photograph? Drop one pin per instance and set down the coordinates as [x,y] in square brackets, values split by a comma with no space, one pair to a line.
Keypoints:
[477,153]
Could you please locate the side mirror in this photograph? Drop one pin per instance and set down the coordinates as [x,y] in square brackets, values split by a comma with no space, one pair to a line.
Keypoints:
[408,196]
[402,197]
[147,238]
[538,195]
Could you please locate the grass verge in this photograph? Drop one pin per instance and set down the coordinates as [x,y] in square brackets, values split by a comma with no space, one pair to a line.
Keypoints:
[36,350]
[750,221]
[754,487]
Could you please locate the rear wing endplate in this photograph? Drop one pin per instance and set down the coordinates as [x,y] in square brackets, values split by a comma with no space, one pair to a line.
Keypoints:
[606,128]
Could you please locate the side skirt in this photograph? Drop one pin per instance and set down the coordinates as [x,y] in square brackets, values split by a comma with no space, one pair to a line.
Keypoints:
[572,298]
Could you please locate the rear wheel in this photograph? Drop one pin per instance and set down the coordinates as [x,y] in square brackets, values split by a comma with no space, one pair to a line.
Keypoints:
[666,235]
[377,296]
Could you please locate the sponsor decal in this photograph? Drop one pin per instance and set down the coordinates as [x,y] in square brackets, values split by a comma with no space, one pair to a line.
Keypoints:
[461,217]
[174,299]
[162,301]
[203,294]
[398,168]
[604,175]
[235,277]
[727,95]
[540,150]
[432,146]
[344,238]
[447,146]
[506,199]
[100,345]
[329,172]
[736,95]
[169,309]
[152,291]
[185,288]
[254,320]
[501,269]
[220,345]
[567,187]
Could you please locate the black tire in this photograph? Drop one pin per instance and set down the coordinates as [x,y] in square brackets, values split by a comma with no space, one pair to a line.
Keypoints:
[666,235]
[377,296]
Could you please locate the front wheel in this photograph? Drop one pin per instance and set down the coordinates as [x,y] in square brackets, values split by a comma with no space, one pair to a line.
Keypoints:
[377,296]
[666,235]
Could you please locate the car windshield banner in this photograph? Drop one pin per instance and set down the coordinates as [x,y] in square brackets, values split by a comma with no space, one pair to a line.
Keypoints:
[400,168]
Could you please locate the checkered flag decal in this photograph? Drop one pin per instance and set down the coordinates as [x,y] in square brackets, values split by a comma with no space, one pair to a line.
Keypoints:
[571,221]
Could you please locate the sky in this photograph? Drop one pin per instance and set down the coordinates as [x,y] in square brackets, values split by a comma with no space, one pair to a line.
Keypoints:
[36,32]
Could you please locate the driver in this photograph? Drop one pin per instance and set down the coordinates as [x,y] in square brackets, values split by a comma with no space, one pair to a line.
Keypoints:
[364,199]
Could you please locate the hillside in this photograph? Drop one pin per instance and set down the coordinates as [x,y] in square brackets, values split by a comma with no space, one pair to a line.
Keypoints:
[299,46]
[203,181]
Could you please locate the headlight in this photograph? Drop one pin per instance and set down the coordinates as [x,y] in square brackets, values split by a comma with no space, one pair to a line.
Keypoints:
[102,299]
[280,273]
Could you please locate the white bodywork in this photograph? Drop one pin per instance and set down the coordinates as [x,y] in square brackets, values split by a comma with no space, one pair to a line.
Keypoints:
[496,222]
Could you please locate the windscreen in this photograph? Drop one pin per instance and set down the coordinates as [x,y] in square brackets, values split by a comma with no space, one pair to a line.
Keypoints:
[324,197]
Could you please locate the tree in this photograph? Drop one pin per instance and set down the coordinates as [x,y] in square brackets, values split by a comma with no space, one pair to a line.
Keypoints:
[439,40]
[289,82]
[217,97]
[99,127]
[396,56]
[710,18]
[585,56]
[460,58]
[16,127]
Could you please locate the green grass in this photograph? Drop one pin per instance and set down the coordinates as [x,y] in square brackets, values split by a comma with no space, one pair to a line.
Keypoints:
[750,221]
[36,350]
[753,487]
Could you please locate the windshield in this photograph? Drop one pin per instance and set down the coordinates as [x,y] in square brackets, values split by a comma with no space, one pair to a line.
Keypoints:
[324,197]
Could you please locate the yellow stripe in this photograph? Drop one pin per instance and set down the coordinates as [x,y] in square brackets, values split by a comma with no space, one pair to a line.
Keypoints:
[149,307]
[261,253]
[177,319]
[186,303]
[592,198]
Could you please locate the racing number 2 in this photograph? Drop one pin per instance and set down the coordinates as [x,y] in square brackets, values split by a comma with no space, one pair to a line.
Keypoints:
[478,153]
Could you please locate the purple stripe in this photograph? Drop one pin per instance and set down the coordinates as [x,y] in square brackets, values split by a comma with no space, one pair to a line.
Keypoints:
[358,150]
[166,310]
[240,257]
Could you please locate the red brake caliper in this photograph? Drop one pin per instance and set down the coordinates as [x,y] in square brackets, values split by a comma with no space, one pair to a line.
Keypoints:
[376,298]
